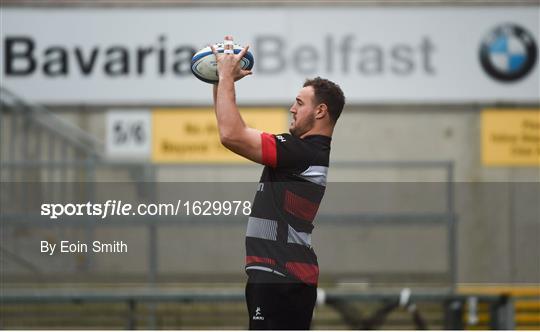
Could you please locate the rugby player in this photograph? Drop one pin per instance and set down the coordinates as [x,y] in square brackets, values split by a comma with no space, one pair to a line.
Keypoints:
[281,264]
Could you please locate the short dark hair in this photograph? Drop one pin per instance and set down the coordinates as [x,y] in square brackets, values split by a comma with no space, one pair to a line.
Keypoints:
[329,93]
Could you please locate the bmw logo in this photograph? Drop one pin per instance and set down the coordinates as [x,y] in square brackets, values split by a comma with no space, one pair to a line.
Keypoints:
[508,53]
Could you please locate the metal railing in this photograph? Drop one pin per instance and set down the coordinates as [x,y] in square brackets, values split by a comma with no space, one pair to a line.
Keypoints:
[349,305]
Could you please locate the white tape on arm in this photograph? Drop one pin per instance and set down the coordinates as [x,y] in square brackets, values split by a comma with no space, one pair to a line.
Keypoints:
[228,51]
[321,297]
[404,297]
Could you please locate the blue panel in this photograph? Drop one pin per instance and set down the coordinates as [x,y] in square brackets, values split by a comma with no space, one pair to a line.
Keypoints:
[516,61]
[499,45]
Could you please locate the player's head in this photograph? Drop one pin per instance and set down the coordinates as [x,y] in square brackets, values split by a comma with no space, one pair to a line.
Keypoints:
[317,107]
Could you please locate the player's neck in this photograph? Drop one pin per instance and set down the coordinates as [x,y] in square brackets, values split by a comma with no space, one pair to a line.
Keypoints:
[324,131]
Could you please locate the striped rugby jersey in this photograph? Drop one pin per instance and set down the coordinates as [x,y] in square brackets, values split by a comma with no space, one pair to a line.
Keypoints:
[292,184]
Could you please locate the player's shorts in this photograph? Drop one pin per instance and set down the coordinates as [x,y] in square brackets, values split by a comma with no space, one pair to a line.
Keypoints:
[278,303]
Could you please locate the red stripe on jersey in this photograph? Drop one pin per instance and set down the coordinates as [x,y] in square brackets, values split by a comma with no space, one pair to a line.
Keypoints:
[269,150]
[257,259]
[300,207]
[308,273]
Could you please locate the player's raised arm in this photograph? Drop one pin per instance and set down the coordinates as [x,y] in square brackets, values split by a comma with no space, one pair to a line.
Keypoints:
[233,132]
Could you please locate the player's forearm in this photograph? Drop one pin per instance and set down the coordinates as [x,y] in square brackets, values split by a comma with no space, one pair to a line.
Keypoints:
[230,123]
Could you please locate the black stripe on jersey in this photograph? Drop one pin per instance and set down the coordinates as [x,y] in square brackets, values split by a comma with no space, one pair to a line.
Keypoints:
[300,225]
[301,253]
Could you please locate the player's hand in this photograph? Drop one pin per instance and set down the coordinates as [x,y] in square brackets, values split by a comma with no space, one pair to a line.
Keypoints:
[228,63]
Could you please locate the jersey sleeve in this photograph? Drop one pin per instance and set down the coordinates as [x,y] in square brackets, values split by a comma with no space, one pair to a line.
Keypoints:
[283,150]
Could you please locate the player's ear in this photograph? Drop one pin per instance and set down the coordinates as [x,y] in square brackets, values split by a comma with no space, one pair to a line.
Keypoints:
[321,111]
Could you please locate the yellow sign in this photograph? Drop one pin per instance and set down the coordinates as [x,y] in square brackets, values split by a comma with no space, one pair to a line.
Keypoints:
[511,137]
[191,135]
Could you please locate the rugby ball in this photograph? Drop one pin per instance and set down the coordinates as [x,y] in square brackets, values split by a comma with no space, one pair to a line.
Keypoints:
[204,66]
